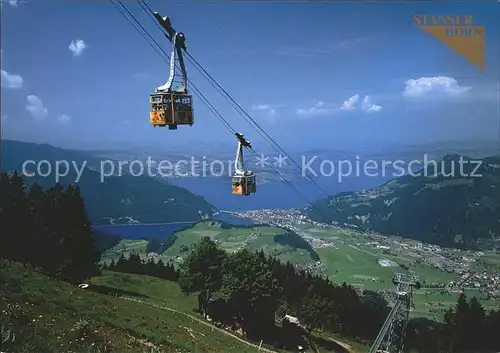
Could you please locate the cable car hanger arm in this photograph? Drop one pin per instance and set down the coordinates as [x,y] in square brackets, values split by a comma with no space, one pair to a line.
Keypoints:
[178,41]
[238,162]
[166,25]
[183,68]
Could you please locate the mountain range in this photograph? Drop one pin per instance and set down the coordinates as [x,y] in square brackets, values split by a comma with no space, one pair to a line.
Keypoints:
[438,206]
[109,200]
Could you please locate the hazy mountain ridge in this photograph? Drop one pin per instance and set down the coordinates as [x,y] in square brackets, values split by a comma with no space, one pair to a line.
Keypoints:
[140,198]
[294,163]
[462,210]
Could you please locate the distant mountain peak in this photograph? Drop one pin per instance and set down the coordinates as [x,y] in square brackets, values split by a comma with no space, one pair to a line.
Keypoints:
[459,209]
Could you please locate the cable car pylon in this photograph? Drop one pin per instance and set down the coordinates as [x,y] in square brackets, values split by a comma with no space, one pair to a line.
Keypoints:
[390,338]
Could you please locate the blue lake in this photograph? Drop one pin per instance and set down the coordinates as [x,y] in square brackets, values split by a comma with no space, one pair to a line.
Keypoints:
[161,231]
[217,191]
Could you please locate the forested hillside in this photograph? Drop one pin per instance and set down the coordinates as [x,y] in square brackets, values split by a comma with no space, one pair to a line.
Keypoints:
[50,231]
[142,198]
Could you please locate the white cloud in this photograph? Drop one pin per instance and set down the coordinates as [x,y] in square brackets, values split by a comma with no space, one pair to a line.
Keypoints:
[333,46]
[11,81]
[261,107]
[350,104]
[13,3]
[77,47]
[63,118]
[433,86]
[369,107]
[36,107]
[320,108]
[270,110]
[271,113]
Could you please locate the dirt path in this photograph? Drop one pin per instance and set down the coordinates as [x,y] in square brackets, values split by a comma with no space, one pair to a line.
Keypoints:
[344,345]
[203,322]
[347,347]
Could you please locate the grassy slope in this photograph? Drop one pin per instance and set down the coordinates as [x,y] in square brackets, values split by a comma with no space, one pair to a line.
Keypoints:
[125,247]
[254,238]
[154,290]
[50,316]
[231,239]
[46,315]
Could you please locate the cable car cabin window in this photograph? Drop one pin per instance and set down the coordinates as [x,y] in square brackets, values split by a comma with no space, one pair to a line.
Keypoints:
[251,184]
[183,109]
[243,185]
[158,98]
[174,108]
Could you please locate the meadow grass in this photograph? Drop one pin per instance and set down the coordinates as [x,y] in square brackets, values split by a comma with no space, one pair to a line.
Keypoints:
[44,315]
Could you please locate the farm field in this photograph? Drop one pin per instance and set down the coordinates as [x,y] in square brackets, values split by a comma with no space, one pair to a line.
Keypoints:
[348,260]
[125,247]
[373,269]
[272,240]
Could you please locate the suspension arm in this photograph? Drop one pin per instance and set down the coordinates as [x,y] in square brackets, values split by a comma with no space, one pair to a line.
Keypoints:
[183,67]
[238,162]
[178,41]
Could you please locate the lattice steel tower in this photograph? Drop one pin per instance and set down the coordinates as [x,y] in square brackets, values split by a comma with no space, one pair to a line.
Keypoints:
[390,339]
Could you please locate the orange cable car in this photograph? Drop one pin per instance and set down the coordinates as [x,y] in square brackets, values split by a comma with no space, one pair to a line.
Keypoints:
[243,182]
[172,106]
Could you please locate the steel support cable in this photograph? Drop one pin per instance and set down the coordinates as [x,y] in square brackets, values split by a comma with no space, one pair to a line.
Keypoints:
[145,7]
[251,121]
[143,4]
[205,100]
[161,52]
[218,115]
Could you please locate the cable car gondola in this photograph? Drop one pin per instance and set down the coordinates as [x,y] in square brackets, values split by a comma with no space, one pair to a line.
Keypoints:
[244,182]
[172,106]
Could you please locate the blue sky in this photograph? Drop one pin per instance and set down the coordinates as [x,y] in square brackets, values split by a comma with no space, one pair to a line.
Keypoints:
[311,74]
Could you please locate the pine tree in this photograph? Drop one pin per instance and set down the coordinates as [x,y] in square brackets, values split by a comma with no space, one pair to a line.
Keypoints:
[121,264]
[15,221]
[79,255]
[134,263]
[202,271]
[37,199]
[461,323]
[53,258]
[491,336]
[112,265]
[474,338]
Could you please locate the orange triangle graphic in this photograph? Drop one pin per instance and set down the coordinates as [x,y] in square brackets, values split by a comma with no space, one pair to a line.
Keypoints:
[466,40]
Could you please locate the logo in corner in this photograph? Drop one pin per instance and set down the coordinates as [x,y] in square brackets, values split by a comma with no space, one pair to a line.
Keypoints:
[458,32]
